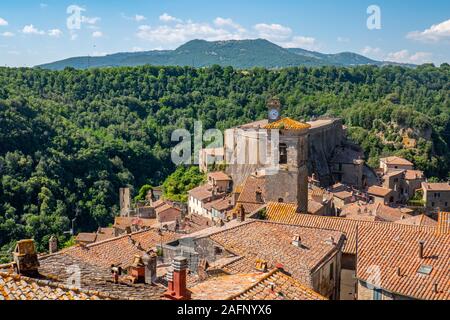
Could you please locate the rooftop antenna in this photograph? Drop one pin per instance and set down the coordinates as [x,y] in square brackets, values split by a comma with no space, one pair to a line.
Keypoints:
[72,230]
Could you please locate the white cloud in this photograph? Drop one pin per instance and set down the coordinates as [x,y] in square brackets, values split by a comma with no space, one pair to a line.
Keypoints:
[273,32]
[227,22]
[7,34]
[435,33]
[183,32]
[284,36]
[170,34]
[404,56]
[55,33]
[3,22]
[139,18]
[401,56]
[97,34]
[301,42]
[343,39]
[374,53]
[168,18]
[30,29]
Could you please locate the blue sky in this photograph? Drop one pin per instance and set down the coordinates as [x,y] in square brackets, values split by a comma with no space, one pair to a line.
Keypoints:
[35,32]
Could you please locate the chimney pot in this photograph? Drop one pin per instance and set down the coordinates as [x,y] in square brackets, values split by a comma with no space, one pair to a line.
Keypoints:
[436,288]
[261,265]
[297,241]
[179,276]
[279,266]
[421,249]
[241,213]
[26,258]
[399,272]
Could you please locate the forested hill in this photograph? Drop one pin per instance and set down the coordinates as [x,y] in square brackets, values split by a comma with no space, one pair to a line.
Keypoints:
[241,54]
[70,139]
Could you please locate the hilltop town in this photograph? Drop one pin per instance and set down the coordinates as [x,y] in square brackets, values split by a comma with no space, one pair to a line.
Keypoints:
[310,220]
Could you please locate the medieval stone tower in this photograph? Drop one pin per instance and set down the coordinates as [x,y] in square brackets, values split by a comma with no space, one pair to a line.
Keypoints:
[284,164]
[289,183]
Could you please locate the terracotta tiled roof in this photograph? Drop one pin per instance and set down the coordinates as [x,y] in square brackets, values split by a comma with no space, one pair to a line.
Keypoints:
[120,250]
[314,207]
[220,204]
[274,285]
[394,173]
[278,286]
[288,124]
[396,161]
[343,195]
[379,191]
[158,203]
[201,193]
[224,287]
[444,223]
[16,287]
[196,223]
[166,207]
[219,176]
[421,220]
[86,237]
[390,249]
[248,195]
[347,226]
[272,242]
[123,222]
[436,186]
[317,192]
[414,174]
[373,212]
[62,268]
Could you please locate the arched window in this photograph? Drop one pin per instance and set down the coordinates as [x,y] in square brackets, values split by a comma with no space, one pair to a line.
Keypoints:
[283,153]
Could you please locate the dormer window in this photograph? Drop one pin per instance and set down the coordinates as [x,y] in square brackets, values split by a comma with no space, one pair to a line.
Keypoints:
[283,153]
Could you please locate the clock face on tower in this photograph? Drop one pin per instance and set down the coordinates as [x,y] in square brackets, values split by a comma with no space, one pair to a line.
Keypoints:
[273,114]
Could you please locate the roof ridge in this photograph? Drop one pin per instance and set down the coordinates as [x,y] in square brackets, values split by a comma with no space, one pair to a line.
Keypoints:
[266,277]
[91,245]
[252,286]
[359,221]
[55,285]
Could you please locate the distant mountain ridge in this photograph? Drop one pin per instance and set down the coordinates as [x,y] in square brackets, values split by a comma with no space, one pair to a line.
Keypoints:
[240,54]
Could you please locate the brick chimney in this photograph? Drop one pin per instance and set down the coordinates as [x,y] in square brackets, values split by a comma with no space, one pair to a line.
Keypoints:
[53,245]
[137,270]
[25,258]
[421,249]
[259,198]
[150,261]
[178,287]
[261,265]
[240,213]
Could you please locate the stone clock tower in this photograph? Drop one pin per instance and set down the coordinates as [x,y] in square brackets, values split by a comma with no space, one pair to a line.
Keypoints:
[274,110]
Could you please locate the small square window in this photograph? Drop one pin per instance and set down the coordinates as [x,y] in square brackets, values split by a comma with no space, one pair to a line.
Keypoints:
[426,270]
